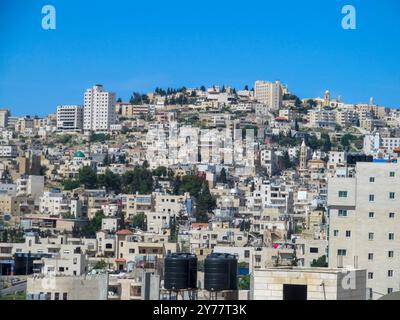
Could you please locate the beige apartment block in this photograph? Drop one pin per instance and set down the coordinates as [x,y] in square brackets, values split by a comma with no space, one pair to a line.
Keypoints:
[364,225]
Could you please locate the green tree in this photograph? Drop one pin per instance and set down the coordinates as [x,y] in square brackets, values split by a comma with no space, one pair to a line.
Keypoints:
[160,172]
[137,180]
[192,184]
[100,265]
[139,220]
[222,176]
[43,170]
[320,262]
[99,137]
[346,140]
[296,125]
[69,184]
[93,225]
[136,98]
[285,162]
[174,227]
[87,176]
[313,142]
[327,145]
[244,282]
[110,180]
[205,203]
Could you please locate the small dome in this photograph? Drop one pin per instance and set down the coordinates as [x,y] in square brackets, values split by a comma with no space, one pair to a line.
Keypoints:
[79,154]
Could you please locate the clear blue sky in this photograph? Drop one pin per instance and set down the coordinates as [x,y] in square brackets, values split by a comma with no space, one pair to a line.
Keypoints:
[139,45]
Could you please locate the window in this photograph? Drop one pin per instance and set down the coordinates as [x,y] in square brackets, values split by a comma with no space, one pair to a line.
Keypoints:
[246,253]
[335,233]
[371,197]
[391,215]
[390,273]
[57,296]
[371,214]
[348,233]
[65,296]
[342,213]
[342,194]
[371,236]
[390,290]
[313,250]
[131,250]
[391,195]
[370,275]
[341,252]
[390,254]
[370,256]
[371,179]
[392,174]
[391,236]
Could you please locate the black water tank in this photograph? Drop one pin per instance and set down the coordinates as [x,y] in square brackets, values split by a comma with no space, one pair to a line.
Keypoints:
[220,272]
[180,271]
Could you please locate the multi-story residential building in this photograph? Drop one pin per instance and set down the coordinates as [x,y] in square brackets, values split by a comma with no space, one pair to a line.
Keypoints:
[158,222]
[25,125]
[269,94]
[172,204]
[269,193]
[54,203]
[99,109]
[8,151]
[130,111]
[133,204]
[269,161]
[321,118]
[4,114]
[69,118]
[363,224]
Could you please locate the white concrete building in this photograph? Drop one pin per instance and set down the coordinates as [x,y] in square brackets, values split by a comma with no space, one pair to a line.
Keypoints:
[269,93]
[364,224]
[69,118]
[269,161]
[8,151]
[99,109]
[54,203]
[4,114]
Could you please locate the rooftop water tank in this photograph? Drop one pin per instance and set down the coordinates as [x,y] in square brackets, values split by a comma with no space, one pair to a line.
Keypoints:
[220,272]
[180,271]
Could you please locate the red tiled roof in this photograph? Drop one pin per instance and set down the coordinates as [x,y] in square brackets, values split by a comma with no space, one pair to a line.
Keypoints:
[199,225]
[124,232]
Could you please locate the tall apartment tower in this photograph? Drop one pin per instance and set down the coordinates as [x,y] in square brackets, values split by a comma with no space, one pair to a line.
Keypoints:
[269,93]
[69,118]
[4,114]
[99,109]
[364,224]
